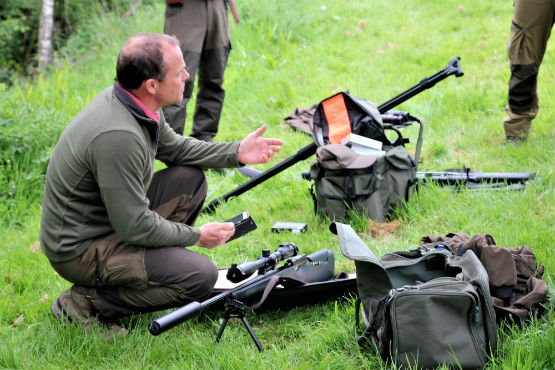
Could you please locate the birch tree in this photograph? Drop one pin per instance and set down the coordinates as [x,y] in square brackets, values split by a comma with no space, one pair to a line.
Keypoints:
[45,33]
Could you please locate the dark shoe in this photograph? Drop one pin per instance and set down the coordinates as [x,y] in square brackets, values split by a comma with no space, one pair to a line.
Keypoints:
[114,331]
[514,140]
[249,172]
[221,171]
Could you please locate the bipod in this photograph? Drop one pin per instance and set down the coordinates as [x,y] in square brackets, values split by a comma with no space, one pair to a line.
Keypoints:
[452,68]
[236,309]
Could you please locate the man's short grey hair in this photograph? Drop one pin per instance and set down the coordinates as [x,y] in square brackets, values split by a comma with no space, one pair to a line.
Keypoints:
[141,58]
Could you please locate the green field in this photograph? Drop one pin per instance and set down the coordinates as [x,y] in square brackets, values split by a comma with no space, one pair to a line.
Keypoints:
[287,55]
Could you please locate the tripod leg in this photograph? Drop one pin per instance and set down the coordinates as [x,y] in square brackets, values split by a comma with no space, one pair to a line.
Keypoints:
[222,328]
[253,336]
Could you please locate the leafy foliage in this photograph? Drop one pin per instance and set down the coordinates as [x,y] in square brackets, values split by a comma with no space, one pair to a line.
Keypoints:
[19,25]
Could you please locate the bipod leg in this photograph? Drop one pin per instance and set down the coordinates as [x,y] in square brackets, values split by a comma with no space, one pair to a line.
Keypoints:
[253,336]
[236,309]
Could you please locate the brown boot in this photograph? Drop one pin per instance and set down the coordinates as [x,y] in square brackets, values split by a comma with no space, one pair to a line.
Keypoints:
[75,305]
[518,125]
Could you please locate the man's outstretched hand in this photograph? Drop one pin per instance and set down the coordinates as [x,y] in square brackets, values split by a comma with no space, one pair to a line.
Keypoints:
[255,149]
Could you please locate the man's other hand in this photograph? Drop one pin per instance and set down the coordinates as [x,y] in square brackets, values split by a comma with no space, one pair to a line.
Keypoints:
[255,149]
[215,233]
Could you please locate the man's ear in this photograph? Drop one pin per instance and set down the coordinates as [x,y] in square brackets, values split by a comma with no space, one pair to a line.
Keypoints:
[151,85]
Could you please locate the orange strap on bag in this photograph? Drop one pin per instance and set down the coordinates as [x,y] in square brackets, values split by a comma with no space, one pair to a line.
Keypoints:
[339,124]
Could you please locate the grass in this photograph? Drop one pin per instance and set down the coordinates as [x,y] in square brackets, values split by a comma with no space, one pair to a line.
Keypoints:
[287,55]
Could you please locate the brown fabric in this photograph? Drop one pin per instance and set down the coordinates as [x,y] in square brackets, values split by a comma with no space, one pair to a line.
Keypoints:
[519,309]
[501,261]
[519,125]
[514,276]
[301,119]
[453,239]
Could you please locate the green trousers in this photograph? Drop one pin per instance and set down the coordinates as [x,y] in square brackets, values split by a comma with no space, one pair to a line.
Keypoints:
[202,27]
[530,30]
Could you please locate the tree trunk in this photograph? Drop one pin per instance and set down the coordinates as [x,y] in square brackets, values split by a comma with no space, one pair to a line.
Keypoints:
[45,33]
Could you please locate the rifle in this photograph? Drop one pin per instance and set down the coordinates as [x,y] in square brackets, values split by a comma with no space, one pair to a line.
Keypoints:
[466,179]
[452,68]
[297,270]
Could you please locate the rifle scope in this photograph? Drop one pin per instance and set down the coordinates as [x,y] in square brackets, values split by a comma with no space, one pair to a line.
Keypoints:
[240,272]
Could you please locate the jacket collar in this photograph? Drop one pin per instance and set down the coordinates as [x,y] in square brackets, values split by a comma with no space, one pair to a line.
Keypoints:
[131,105]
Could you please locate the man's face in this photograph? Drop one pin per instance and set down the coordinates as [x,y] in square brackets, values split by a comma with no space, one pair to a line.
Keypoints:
[170,89]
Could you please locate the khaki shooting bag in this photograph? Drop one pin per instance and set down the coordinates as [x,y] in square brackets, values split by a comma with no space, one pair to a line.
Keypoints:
[373,190]
[425,307]
[343,180]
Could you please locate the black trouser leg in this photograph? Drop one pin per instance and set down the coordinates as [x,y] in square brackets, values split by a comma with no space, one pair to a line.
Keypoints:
[211,94]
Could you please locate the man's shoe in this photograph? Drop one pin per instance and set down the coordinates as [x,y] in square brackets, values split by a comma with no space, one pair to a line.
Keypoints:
[514,140]
[221,171]
[79,309]
[74,305]
[249,172]
[114,331]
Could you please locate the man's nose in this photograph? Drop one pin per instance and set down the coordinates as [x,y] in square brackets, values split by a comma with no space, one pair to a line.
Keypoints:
[186,76]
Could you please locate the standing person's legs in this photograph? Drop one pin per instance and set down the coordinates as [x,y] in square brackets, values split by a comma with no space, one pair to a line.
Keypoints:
[176,114]
[530,30]
[115,279]
[213,62]
[187,22]
[211,94]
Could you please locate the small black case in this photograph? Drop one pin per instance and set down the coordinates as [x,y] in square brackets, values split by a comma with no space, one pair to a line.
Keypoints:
[243,224]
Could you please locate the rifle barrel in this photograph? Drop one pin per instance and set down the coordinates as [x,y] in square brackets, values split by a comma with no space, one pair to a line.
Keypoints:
[248,288]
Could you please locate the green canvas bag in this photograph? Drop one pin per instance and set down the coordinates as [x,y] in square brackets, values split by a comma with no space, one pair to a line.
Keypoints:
[374,190]
[425,307]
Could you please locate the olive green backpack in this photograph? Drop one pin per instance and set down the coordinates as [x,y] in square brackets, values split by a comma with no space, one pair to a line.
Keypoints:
[373,190]
[422,308]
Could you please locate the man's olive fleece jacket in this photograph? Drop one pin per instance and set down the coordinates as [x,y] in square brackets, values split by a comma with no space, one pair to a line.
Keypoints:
[99,173]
